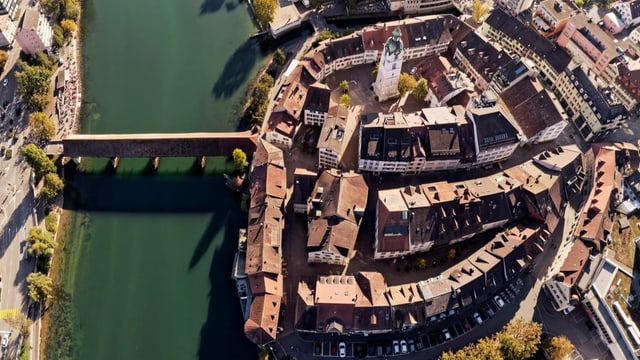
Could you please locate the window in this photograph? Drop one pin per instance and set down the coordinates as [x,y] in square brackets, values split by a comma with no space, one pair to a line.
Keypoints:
[405,215]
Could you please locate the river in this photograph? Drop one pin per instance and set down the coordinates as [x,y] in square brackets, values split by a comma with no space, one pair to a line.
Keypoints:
[147,258]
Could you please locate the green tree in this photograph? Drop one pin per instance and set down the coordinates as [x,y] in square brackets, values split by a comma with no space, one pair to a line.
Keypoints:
[559,347]
[265,11]
[39,286]
[451,254]
[579,3]
[257,106]
[38,160]
[421,90]
[279,58]
[48,61]
[519,339]
[4,56]
[41,242]
[239,159]
[72,10]
[69,27]
[34,83]
[375,69]
[480,9]
[53,185]
[487,348]
[51,7]
[19,322]
[58,36]
[41,125]
[406,83]
[51,222]
[344,85]
[345,100]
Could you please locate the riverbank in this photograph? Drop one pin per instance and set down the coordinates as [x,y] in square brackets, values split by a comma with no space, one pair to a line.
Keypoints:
[58,341]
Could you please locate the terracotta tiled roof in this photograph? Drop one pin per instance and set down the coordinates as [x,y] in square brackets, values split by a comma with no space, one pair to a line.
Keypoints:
[262,325]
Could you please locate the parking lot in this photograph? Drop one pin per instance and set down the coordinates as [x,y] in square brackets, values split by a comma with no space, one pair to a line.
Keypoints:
[440,330]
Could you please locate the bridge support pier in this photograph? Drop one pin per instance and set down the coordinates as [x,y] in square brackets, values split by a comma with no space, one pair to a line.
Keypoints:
[115,161]
[203,161]
[156,162]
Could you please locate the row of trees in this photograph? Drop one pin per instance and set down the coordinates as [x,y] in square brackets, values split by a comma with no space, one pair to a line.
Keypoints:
[45,169]
[66,13]
[259,100]
[407,83]
[518,340]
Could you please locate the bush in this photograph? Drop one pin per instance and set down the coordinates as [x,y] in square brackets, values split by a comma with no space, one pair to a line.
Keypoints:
[51,222]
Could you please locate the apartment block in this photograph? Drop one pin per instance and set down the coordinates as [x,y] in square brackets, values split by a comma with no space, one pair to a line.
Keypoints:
[550,16]
[35,32]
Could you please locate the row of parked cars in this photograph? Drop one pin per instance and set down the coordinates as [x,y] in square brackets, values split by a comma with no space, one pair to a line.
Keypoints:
[421,341]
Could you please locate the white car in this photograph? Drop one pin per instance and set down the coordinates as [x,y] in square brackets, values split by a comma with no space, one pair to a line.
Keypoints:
[342,350]
[403,347]
[498,300]
[447,335]
[396,347]
[5,341]
[477,318]
[5,82]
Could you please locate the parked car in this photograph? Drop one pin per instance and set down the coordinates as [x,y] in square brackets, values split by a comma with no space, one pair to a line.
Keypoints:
[396,347]
[447,335]
[498,300]
[403,347]
[5,82]
[342,350]
[477,318]
[5,341]
[419,344]
[412,346]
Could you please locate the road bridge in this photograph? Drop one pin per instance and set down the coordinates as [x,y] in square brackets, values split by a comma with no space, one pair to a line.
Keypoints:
[155,145]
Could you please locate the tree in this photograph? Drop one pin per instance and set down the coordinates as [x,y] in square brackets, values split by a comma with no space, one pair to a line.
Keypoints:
[69,27]
[421,263]
[239,159]
[34,84]
[41,242]
[375,69]
[42,126]
[72,10]
[345,100]
[279,58]
[53,185]
[421,90]
[39,286]
[48,61]
[451,254]
[3,59]
[38,160]
[406,83]
[487,348]
[19,322]
[265,11]
[58,36]
[559,347]
[344,85]
[579,3]
[480,9]
[51,7]
[257,107]
[519,339]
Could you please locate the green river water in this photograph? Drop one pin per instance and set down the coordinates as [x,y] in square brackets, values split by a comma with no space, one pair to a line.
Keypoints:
[148,257]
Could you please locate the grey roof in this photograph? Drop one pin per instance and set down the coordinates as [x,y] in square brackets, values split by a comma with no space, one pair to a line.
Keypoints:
[607,108]
[556,56]
[483,56]
[492,127]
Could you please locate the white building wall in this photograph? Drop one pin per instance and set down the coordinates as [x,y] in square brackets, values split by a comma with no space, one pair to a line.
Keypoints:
[316,118]
[327,158]
[278,139]
[326,257]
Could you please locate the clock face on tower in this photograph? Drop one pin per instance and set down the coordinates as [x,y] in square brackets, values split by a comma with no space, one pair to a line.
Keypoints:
[394,45]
